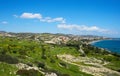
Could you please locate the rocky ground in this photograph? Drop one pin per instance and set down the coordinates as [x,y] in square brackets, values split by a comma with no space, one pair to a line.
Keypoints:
[89,65]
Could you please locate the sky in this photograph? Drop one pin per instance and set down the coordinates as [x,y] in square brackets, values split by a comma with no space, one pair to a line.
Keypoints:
[79,17]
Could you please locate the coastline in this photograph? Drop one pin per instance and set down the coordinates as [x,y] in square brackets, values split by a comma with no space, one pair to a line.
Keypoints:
[94,41]
[107,49]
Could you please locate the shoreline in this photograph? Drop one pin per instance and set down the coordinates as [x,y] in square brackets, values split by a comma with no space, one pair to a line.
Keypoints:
[94,41]
[106,49]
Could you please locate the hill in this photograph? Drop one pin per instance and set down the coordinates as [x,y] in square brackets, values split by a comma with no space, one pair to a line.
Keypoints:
[34,54]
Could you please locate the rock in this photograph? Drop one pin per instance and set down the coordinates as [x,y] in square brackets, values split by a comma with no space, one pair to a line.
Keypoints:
[50,74]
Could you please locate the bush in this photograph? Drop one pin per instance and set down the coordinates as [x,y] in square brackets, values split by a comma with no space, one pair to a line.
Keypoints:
[44,57]
[8,59]
[41,64]
[65,75]
[118,70]
[52,60]
[30,72]
[63,64]
[30,64]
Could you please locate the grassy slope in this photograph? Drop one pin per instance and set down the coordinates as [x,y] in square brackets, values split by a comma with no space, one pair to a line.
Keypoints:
[28,51]
[31,52]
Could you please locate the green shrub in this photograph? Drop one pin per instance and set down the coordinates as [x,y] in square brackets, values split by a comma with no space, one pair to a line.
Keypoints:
[8,59]
[30,72]
[52,60]
[63,64]
[41,65]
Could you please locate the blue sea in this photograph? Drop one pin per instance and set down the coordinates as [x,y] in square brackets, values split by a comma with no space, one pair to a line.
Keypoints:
[111,45]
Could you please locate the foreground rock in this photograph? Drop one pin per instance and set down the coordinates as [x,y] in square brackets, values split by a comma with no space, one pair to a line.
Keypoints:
[50,74]
[24,69]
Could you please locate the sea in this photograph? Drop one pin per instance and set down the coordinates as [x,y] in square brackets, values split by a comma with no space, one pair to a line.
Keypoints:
[111,45]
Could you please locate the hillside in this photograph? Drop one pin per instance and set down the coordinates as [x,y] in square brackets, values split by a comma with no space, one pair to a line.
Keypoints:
[34,54]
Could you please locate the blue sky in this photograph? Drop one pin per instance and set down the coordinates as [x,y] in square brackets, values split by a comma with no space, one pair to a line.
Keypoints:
[81,17]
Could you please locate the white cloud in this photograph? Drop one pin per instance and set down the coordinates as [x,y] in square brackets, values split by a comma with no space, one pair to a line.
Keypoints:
[4,22]
[42,19]
[49,19]
[60,19]
[31,15]
[63,25]
[16,16]
[81,28]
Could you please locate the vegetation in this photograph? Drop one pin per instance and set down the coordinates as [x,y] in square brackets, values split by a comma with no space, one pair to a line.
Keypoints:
[30,72]
[14,50]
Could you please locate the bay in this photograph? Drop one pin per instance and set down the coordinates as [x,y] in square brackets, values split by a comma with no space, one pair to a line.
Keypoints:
[111,45]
